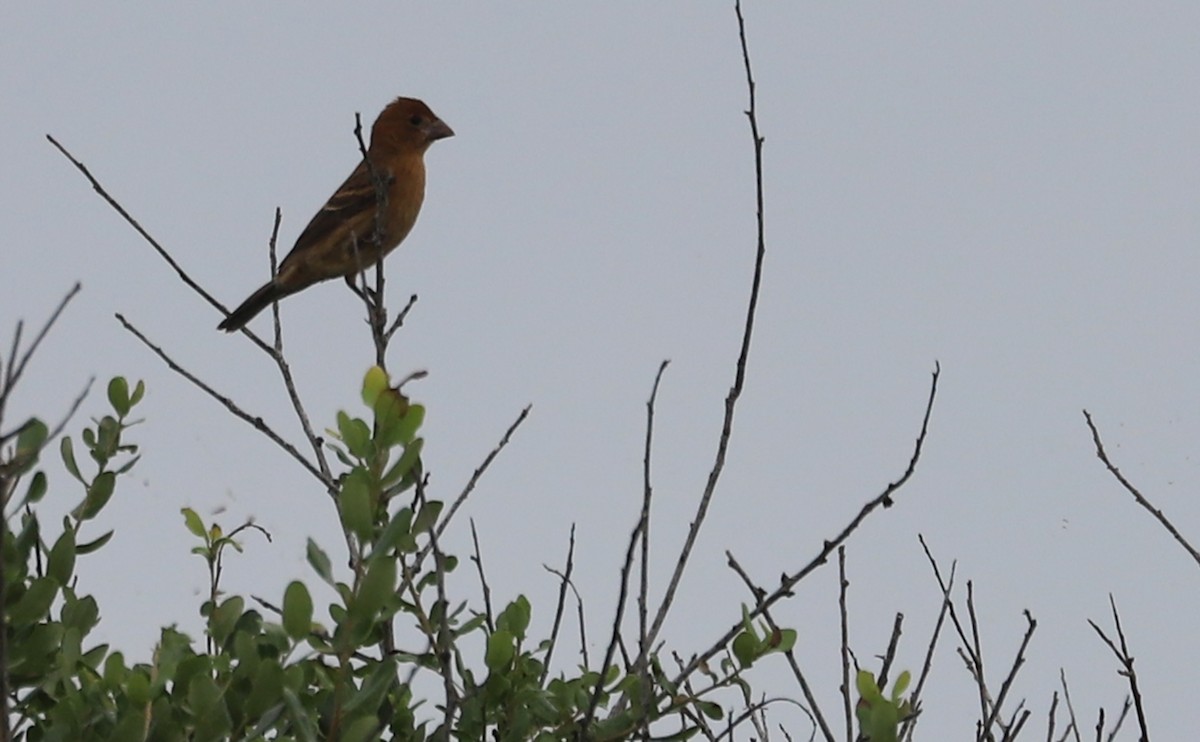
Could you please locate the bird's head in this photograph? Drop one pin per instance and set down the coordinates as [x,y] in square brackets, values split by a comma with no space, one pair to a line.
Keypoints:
[407,123]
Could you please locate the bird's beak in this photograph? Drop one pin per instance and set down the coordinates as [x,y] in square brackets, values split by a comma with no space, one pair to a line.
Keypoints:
[437,129]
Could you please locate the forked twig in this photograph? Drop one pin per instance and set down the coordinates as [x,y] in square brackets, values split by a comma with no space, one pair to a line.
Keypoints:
[563,584]
[1126,659]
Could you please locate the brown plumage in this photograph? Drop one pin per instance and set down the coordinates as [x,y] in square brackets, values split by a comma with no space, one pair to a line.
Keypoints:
[353,230]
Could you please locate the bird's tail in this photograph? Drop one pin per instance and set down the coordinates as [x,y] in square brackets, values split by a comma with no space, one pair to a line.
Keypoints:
[258,301]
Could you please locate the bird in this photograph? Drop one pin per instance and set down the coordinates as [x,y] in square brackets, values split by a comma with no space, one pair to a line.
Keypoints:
[366,218]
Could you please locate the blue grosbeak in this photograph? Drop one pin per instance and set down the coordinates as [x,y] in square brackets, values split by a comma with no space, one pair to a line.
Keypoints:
[367,217]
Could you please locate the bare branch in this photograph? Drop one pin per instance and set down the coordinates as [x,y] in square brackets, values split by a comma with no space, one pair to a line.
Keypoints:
[1073,726]
[563,584]
[735,391]
[255,422]
[844,644]
[1126,660]
[927,665]
[1138,496]
[477,558]
[643,660]
[483,467]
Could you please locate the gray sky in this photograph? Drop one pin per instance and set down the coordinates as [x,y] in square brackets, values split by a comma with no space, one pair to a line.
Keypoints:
[1007,189]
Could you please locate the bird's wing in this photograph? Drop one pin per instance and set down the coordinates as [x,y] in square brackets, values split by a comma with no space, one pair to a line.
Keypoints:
[349,211]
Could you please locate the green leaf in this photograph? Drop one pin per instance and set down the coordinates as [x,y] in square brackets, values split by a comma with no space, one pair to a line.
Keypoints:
[139,391]
[265,691]
[225,617]
[361,730]
[901,685]
[36,490]
[302,720]
[137,688]
[118,395]
[501,647]
[115,671]
[411,455]
[319,561]
[355,434]
[374,689]
[747,624]
[93,545]
[390,408]
[473,624]
[378,585]
[354,503]
[515,617]
[32,437]
[397,532]
[194,524]
[868,689]
[68,456]
[97,497]
[79,613]
[61,563]
[409,424]
[374,382]
[882,722]
[428,516]
[297,610]
[69,652]
[34,605]
[108,440]
[745,648]
[30,440]
[129,464]
[205,698]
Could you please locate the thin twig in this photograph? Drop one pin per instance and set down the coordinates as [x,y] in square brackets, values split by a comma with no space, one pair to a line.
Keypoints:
[1120,718]
[615,638]
[483,467]
[735,390]
[285,370]
[915,697]
[975,649]
[399,321]
[1126,660]
[1138,496]
[255,422]
[1051,717]
[477,558]
[1018,661]
[563,583]
[1074,725]
[16,367]
[183,275]
[643,661]
[844,645]
[890,655]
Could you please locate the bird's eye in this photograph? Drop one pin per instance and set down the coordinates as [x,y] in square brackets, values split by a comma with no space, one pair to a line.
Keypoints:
[416,120]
